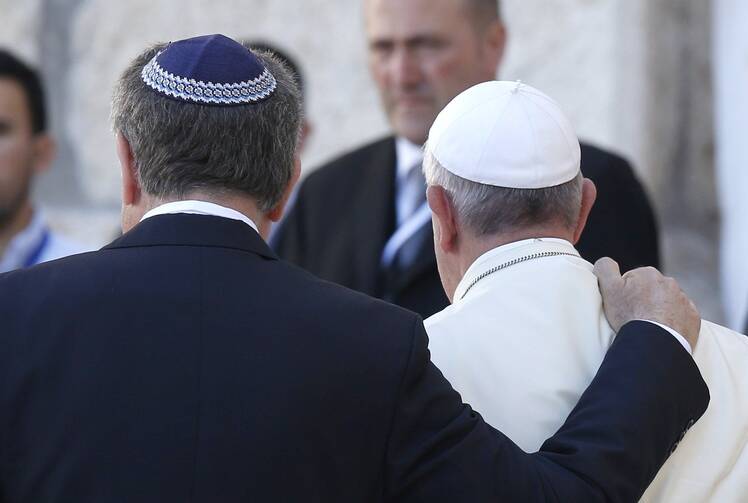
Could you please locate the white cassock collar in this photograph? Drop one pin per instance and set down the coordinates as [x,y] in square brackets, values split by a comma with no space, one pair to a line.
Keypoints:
[507,255]
[479,274]
[194,207]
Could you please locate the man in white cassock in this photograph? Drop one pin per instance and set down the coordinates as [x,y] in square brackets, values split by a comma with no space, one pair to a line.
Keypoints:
[526,331]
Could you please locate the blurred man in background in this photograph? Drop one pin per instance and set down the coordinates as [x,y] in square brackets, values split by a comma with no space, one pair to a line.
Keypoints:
[362,220]
[26,150]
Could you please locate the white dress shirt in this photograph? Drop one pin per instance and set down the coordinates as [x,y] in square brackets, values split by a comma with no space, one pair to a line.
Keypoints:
[409,161]
[36,244]
[411,209]
[408,155]
[194,207]
[521,345]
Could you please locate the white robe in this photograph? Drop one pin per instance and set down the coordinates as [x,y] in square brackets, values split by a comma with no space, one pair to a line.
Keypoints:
[526,340]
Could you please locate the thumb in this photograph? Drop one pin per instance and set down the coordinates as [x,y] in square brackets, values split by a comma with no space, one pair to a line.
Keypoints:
[608,274]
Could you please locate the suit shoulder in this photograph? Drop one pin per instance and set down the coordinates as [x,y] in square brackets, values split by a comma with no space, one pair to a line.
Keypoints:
[349,164]
[610,171]
[25,287]
[44,270]
[340,302]
[600,162]
[598,155]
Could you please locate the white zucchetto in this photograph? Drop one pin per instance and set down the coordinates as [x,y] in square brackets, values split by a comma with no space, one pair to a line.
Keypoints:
[505,134]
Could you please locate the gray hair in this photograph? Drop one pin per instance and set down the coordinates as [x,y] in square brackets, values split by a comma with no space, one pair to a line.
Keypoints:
[488,210]
[182,147]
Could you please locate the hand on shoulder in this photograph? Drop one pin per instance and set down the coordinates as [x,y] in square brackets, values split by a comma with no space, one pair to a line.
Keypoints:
[645,294]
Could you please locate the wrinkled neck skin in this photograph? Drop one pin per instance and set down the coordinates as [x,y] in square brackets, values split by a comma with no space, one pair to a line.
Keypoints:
[470,247]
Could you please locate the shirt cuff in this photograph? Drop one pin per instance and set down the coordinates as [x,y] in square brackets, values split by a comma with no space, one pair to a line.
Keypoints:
[675,334]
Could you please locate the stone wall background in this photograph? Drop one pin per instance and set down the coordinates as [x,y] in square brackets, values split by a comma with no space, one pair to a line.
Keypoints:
[730,52]
[634,76]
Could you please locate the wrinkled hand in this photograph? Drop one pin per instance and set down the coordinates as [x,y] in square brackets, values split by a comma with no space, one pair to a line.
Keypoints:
[645,294]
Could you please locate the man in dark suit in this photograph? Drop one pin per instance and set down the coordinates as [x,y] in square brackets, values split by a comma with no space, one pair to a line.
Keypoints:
[422,53]
[185,362]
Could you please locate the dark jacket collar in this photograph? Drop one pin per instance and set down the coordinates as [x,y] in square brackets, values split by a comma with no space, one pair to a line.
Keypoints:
[194,230]
[374,213]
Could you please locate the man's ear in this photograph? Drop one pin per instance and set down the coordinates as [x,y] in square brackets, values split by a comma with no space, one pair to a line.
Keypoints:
[277,212]
[444,218]
[306,131]
[589,194]
[131,190]
[45,149]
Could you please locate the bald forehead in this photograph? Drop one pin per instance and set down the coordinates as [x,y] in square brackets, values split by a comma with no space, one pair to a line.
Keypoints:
[480,12]
[485,10]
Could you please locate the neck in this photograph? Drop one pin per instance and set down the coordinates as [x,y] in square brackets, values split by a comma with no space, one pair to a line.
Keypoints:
[14,224]
[475,247]
[471,247]
[242,204]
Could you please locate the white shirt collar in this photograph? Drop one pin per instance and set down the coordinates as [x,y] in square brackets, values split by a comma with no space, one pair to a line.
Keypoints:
[199,208]
[23,244]
[408,155]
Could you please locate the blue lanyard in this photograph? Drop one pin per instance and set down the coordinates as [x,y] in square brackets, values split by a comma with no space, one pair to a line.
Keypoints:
[36,253]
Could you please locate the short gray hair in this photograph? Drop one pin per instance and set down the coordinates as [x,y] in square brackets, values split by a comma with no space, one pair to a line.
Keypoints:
[182,147]
[488,210]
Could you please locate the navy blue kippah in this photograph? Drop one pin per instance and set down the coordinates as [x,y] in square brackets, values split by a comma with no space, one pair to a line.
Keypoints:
[209,70]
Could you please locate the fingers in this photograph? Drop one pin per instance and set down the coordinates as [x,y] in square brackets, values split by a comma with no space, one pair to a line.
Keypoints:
[648,273]
[608,273]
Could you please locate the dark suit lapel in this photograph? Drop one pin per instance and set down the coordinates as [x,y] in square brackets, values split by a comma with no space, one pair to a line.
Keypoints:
[374,215]
[194,230]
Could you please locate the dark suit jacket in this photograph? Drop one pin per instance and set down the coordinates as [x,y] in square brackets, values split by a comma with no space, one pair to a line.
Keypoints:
[345,213]
[185,363]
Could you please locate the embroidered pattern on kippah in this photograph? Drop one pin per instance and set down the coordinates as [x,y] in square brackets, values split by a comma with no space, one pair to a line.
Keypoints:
[241,93]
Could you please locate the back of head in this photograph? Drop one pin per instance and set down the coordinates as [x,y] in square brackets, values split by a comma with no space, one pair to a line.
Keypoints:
[221,119]
[14,69]
[261,47]
[508,158]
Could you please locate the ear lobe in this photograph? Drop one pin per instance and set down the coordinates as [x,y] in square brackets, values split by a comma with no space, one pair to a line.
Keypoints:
[589,194]
[45,149]
[444,218]
[306,132]
[276,213]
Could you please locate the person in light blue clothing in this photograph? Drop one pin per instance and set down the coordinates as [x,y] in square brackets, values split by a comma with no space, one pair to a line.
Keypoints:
[26,150]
